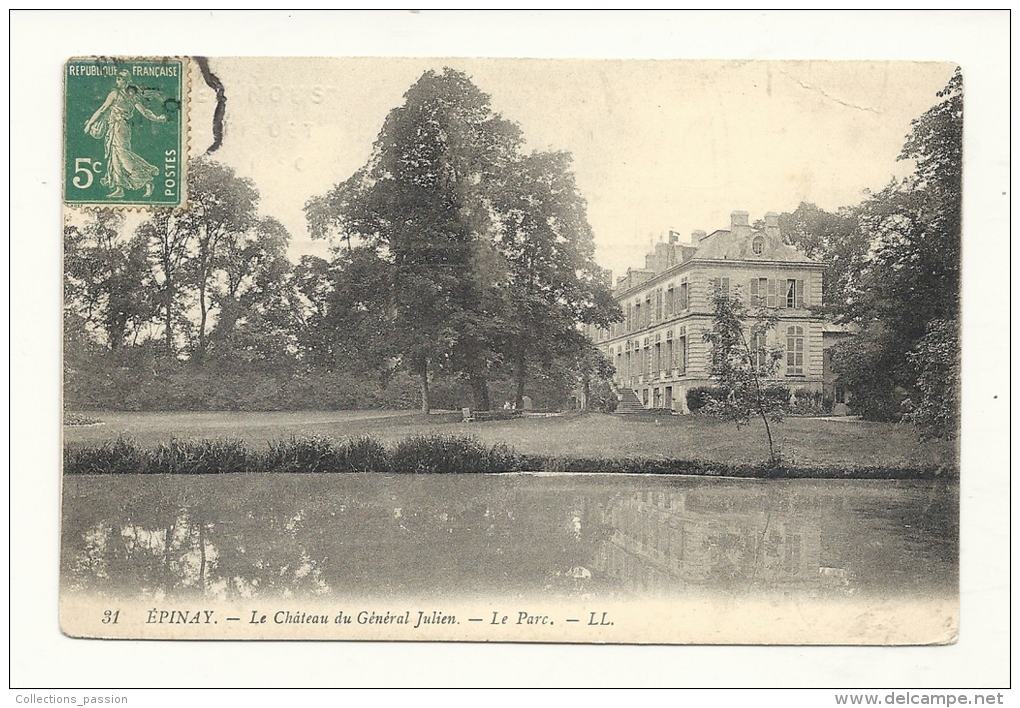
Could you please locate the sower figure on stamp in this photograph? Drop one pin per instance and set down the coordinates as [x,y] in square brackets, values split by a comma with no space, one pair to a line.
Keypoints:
[124,168]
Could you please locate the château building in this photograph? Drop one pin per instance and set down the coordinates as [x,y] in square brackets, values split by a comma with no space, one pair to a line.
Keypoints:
[659,349]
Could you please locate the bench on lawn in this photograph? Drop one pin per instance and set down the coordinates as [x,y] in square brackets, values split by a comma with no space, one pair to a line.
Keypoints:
[471,416]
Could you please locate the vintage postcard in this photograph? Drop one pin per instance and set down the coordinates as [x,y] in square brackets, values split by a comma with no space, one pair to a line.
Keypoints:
[511,350]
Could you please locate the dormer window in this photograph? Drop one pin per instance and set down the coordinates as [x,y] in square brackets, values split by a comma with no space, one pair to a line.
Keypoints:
[758,245]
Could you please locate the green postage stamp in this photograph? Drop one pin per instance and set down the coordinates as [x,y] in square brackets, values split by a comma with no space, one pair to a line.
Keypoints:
[125,132]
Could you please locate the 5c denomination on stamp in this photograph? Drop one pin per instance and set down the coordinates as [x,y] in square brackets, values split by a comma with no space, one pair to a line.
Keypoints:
[125,138]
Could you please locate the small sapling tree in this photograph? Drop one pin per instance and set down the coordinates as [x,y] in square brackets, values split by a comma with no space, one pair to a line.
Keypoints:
[744,365]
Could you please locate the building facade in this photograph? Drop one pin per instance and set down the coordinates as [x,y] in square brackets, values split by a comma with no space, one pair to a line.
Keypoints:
[659,349]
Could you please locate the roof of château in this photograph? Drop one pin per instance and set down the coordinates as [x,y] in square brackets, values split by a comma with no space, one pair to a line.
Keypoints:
[725,245]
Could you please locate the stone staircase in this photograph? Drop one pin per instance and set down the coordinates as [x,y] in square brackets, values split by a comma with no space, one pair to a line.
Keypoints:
[628,402]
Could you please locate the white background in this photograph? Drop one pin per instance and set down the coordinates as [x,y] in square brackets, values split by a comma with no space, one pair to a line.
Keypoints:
[40,42]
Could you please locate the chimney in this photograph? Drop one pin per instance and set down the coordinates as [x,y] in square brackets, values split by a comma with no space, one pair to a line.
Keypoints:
[673,236]
[772,225]
[738,224]
[697,235]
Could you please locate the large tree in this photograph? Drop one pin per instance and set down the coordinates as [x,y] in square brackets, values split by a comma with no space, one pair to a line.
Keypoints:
[221,214]
[258,308]
[168,243]
[216,264]
[552,281]
[105,279]
[910,279]
[422,201]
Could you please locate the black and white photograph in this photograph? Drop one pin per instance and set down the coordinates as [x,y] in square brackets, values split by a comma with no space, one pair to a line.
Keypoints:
[541,351]
[521,350]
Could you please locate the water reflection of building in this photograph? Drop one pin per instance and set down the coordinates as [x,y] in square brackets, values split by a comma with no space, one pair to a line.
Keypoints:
[235,536]
[728,537]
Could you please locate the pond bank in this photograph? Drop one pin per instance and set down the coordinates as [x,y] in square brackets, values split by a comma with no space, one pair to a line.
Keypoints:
[430,454]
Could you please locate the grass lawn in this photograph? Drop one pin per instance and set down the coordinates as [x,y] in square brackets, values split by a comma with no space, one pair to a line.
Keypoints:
[804,442]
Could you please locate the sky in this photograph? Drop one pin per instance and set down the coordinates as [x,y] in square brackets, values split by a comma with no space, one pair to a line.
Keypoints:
[657,145]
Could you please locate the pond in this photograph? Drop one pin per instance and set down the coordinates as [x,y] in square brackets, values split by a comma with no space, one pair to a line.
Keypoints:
[448,536]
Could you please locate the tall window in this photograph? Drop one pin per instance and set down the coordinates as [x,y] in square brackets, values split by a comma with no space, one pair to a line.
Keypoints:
[658,305]
[758,245]
[791,293]
[720,286]
[758,290]
[670,301]
[681,354]
[794,351]
[683,295]
[759,350]
[630,317]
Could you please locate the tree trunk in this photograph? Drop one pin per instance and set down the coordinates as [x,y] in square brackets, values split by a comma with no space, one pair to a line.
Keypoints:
[768,432]
[116,335]
[424,374]
[169,329]
[480,392]
[203,317]
[520,373]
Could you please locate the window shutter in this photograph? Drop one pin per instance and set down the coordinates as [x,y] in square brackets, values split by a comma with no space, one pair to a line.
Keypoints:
[772,292]
[753,291]
[800,294]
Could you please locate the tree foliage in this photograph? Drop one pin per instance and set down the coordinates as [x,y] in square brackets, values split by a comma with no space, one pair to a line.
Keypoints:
[552,281]
[910,277]
[421,201]
[211,279]
[105,279]
[744,366]
[222,211]
[347,326]
[936,359]
[485,256]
